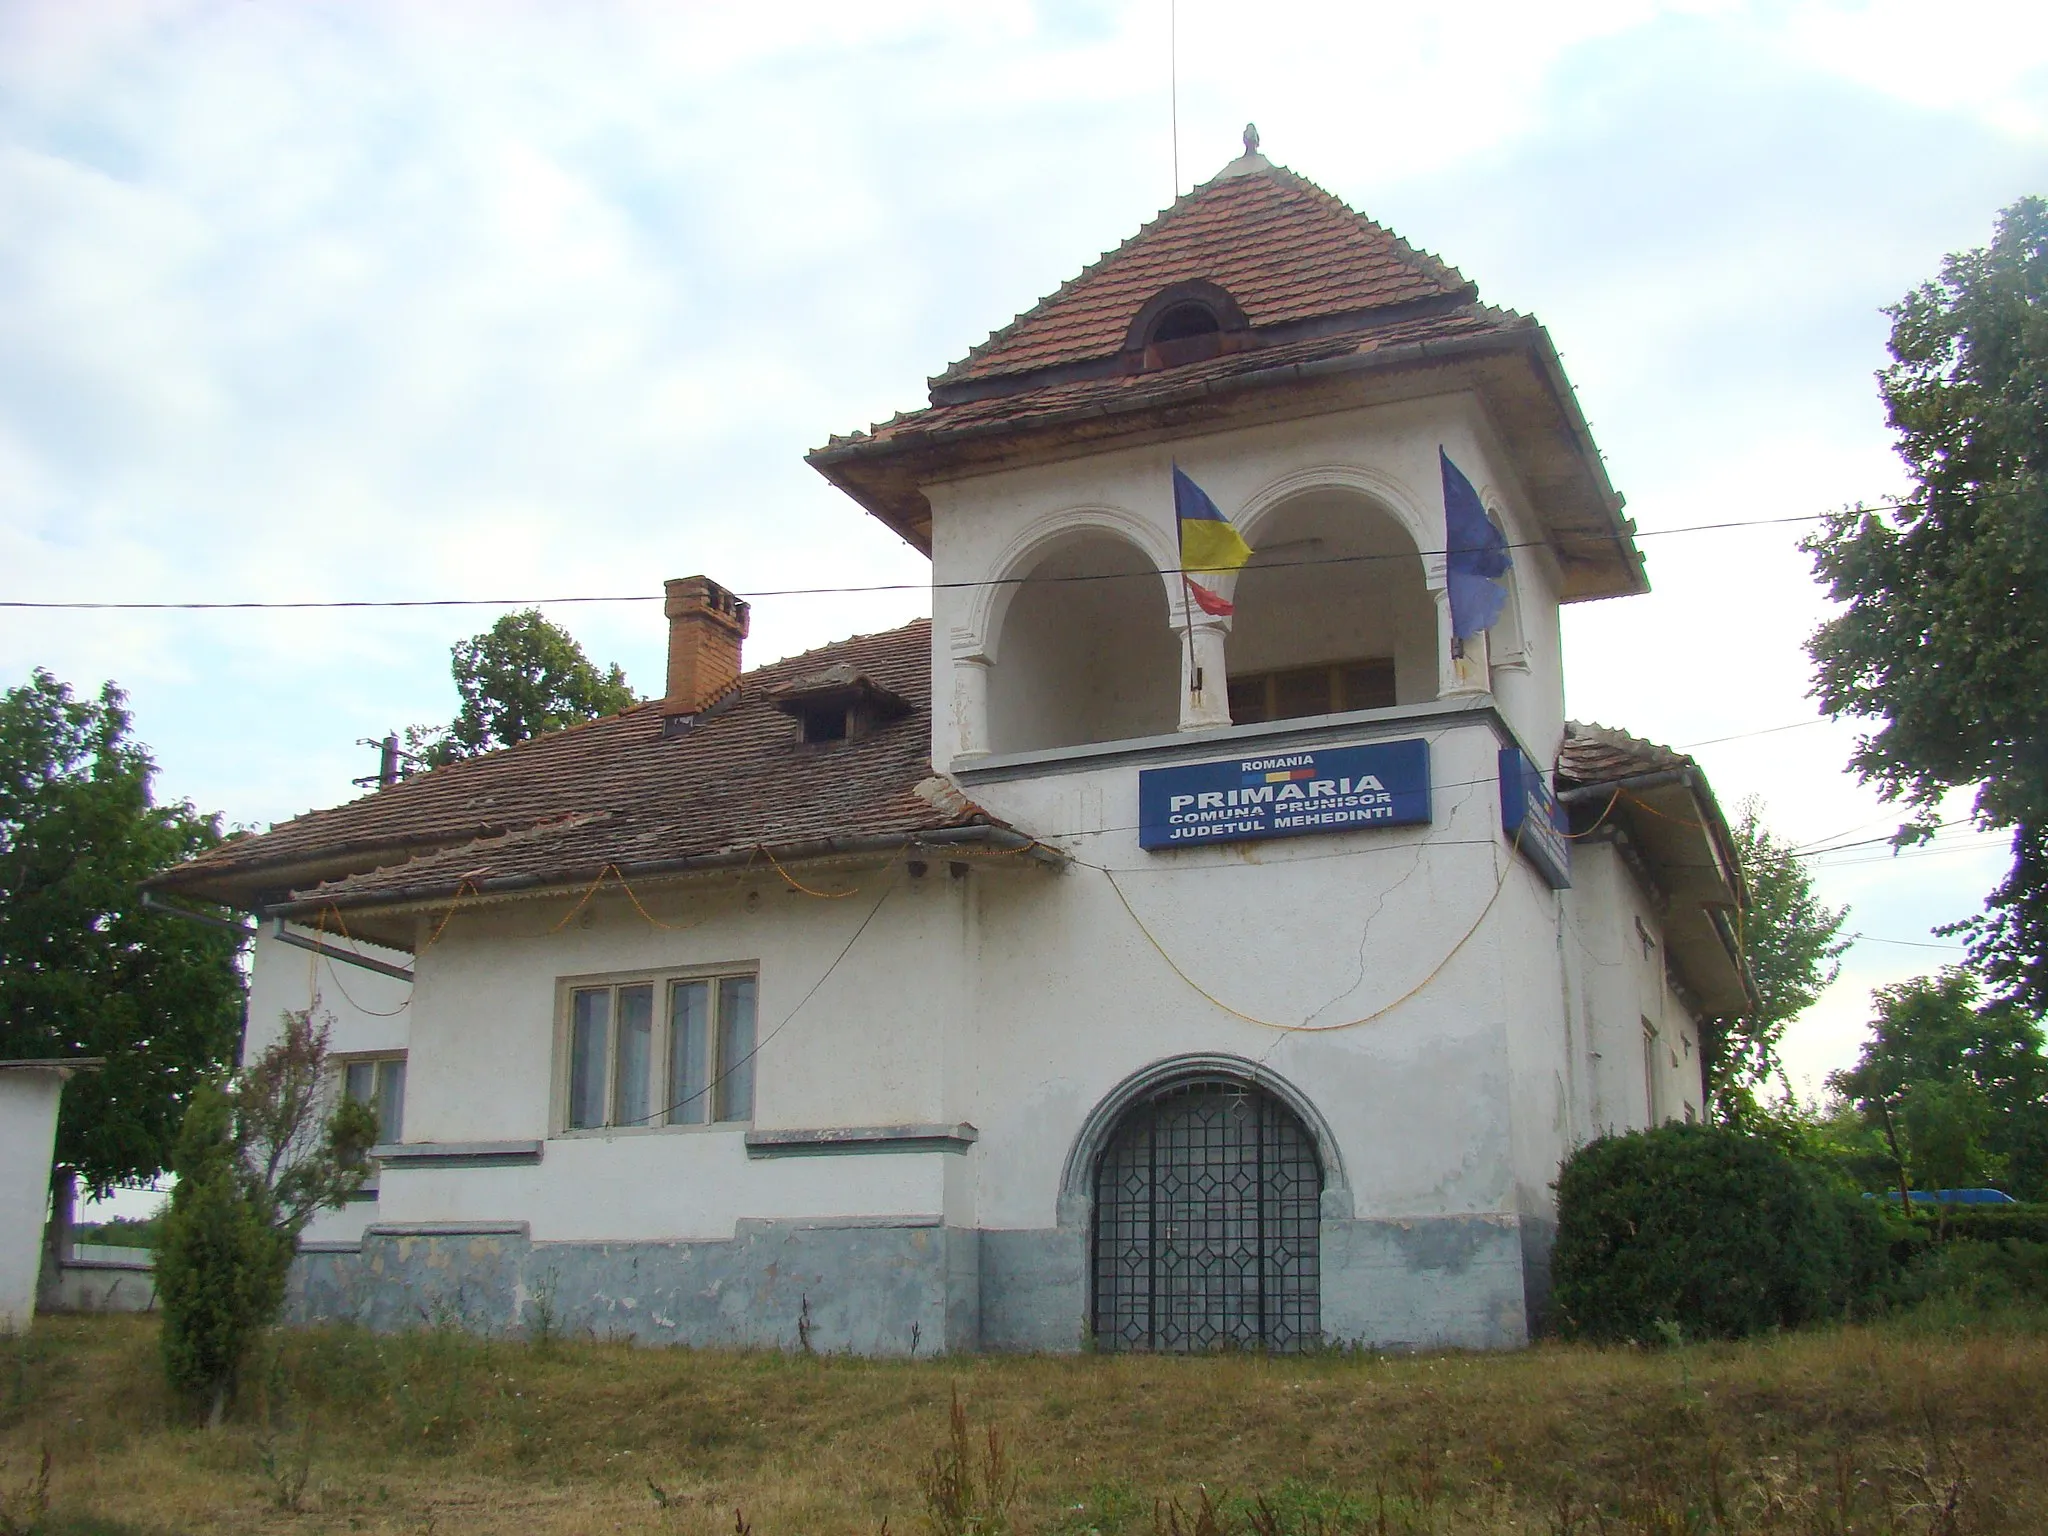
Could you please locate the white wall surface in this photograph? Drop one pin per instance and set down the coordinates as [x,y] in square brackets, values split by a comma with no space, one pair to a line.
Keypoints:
[1625,987]
[366,1013]
[28,1138]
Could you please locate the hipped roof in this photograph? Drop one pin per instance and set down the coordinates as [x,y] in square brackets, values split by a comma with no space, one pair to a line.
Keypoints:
[620,792]
[1337,312]
[1280,245]
[1661,798]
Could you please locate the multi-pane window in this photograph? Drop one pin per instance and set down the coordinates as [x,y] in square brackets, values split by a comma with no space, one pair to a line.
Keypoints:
[1328,689]
[673,1050]
[379,1081]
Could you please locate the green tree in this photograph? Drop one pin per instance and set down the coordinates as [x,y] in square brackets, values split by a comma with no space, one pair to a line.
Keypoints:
[1965,1082]
[256,1160]
[85,968]
[1943,634]
[1793,945]
[521,678]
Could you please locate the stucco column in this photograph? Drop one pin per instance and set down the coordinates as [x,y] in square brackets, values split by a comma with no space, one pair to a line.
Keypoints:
[970,706]
[1457,676]
[1207,707]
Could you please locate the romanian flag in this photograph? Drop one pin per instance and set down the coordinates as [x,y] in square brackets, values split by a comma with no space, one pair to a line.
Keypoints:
[1208,542]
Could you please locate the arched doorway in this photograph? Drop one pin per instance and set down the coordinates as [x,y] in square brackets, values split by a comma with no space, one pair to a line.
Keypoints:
[1207,1224]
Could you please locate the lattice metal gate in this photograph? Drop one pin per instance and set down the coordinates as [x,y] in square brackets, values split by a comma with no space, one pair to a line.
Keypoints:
[1208,1224]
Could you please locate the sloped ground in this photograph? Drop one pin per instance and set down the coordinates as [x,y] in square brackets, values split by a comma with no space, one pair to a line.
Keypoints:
[1907,1427]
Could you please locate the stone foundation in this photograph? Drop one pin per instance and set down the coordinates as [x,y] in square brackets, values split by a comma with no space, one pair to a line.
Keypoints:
[892,1287]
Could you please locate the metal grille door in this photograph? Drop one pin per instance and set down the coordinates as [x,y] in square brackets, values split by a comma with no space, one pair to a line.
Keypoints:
[1207,1225]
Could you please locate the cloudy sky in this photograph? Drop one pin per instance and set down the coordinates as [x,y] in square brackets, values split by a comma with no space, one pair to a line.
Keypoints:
[356,300]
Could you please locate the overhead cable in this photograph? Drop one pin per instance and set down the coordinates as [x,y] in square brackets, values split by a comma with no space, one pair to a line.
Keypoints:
[885,586]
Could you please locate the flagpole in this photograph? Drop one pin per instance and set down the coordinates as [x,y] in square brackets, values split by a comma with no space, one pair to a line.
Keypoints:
[1173,86]
[1187,608]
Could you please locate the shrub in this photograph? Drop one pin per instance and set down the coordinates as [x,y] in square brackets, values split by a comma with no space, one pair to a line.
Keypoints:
[1706,1230]
[1980,1275]
[256,1159]
[220,1268]
[1964,1224]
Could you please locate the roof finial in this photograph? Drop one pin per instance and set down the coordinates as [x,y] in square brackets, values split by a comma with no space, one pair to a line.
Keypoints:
[1251,138]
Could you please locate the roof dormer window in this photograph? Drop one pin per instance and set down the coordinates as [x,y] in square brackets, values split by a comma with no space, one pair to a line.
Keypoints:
[837,704]
[1183,321]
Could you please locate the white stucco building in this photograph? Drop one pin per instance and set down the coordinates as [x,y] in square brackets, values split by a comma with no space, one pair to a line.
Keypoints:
[1080,964]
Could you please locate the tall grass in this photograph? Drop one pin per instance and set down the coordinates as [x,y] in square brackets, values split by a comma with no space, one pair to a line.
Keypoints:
[1930,1425]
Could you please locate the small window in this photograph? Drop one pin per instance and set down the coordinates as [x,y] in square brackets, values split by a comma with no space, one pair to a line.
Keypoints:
[1650,1095]
[1185,320]
[824,724]
[379,1081]
[1328,689]
[690,1064]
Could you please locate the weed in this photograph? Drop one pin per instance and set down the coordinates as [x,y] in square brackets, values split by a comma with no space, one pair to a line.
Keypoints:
[23,1510]
[287,1464]
[968,1490]
[1170,1519]
[286,1467]
[1111,1509]
[27,1363]
[803,1326]
[543,1312]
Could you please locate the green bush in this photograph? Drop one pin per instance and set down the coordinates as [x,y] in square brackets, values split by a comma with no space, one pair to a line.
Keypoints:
[1964,1224]
[220,1268]
[1983,1276]
[1709,1231]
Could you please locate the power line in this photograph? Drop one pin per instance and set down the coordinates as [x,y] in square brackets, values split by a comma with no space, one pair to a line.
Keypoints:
[1769,730]
[885,586]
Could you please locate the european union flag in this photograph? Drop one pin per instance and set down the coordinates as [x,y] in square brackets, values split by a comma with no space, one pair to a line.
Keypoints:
[1475,555]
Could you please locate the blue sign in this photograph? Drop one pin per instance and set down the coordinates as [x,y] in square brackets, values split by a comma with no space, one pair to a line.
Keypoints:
[1285,794]
[1532,818]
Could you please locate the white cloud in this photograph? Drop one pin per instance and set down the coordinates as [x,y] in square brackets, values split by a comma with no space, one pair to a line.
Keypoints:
[355,300]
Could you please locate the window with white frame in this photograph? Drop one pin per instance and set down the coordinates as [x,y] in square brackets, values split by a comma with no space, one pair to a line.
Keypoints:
[379,1081]
[660,1050]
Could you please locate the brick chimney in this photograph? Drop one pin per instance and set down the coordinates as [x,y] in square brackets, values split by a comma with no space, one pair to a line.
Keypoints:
[706,624]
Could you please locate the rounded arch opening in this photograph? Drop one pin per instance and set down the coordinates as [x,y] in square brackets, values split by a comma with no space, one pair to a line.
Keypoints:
[1183,321]
[1205,1187]
[1085,651]
[1334,612]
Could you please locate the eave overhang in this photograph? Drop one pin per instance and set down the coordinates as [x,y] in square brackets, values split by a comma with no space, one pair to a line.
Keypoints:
[1513,368]
[1674,824]
[388,914]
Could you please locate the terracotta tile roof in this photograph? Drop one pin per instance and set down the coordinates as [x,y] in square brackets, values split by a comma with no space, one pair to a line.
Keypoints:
[615,791]
[1107,395]
[1282,247]
[1599,754]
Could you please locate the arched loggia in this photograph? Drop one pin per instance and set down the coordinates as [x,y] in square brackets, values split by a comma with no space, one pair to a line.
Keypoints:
[1086,650]
[1334,612]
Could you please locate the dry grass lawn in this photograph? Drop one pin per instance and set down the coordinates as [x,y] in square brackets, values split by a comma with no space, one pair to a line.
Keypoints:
[1900,1428]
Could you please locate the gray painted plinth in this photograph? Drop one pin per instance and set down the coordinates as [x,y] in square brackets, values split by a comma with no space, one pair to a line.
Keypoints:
[872,1289]
[1425,1282]
[1439,1281]
[891,1288]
